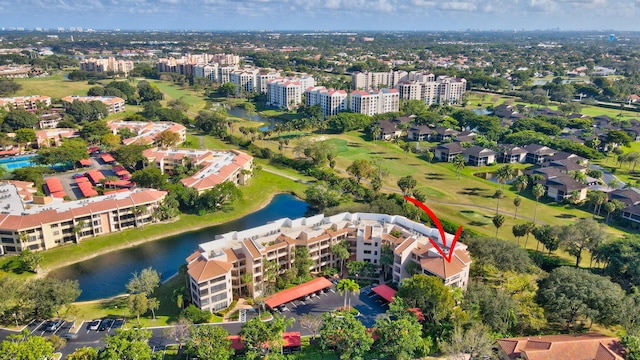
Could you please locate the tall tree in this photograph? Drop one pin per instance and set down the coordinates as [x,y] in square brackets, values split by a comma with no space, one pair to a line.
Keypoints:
[24,346]
[178,332]
[504,174]
[429,294]
[311,323]
[209,342]
[407,184]
[129,344]
[475,341]
[138,305]
[516,202]
[360,168]
[144,282]
[347,287]
[341,251]
[582,234]
[399,338]
[548,236]
[458,165]
[569,295]
[346,335]
[498,221]
[538,190]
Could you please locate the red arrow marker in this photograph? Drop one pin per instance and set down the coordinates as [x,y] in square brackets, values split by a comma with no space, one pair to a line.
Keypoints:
[436,221]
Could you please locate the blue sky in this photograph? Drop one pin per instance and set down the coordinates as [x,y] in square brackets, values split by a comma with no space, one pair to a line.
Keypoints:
[323,14]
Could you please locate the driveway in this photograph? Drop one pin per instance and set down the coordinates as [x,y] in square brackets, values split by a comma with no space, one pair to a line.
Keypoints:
[607,176]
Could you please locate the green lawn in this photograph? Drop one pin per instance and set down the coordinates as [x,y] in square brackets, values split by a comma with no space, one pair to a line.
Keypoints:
[255,195]
[55,86]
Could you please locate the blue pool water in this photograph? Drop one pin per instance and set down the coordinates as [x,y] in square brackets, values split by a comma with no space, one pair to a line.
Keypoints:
[17,162]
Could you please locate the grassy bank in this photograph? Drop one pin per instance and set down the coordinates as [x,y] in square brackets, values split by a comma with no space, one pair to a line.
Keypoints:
[255,196]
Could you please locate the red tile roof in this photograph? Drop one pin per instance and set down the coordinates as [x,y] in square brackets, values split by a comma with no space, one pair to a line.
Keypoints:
[107,158]
[203,270]
[296,292]
[291,339]
[85,162]
[385,292]
[563,347]
[54,185]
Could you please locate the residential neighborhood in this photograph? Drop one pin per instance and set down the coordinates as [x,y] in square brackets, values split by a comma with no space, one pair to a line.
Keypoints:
[319,194]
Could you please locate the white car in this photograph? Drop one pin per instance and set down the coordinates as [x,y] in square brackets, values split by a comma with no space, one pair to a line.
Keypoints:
[94,325]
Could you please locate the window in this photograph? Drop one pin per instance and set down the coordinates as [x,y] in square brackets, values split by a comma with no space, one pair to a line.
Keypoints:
[367,252]
[217,288]
[56,233]
[218,297]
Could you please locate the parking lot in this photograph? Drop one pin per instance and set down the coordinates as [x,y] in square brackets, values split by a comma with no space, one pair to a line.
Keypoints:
[370,306]
[69,183]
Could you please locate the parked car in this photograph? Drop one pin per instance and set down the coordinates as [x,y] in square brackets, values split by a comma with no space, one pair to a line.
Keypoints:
[55,324]
[77,176]
[94,325]
[106,325]
[283,308]
[69,336]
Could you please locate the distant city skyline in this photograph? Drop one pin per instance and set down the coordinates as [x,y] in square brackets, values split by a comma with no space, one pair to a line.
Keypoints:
[353,15]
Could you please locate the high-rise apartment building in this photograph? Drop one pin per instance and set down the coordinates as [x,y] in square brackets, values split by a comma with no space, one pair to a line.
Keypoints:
[375,102]
[330,100]
[377,80]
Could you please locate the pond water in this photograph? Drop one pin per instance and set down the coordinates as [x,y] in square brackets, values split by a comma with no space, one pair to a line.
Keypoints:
[106,275]
[239,112]
[491,176]
[482,111]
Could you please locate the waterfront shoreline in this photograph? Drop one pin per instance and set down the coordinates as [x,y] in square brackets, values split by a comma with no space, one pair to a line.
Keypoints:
[45,271]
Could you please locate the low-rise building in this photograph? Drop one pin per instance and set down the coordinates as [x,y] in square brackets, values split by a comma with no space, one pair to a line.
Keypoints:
[216,166]
[479,156]
[32,102]
[591,346]
[216,269]
[54,137]
[147,131]
[114,104]
[35,222]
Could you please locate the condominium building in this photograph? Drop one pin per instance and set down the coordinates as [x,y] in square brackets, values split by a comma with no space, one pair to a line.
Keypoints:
[35,222]
[109,64]
[376,80]
[410,90]
[375,102]
[114,104]
[216,166]
[422,86]
[54,137]
[147,131]
[330,100]
[32,102]
[286,93]
[216,268]
[224,73]
[246,79]
[209,71]
[263,78]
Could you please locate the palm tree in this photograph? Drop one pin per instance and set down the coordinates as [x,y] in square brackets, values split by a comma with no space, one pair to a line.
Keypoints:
[458,164]
[609,207]
[347,287]
[499,194]
[521,182]
[498,221]
[516,202]
[614,184]
[246,279]
[529,228]
[538,190]
[375,131]
[504,174]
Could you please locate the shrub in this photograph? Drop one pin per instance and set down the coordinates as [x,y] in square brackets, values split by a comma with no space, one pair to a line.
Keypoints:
[195,315]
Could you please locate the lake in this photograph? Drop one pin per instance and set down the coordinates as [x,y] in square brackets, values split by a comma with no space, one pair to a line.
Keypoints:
[106,275]
[239,112]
